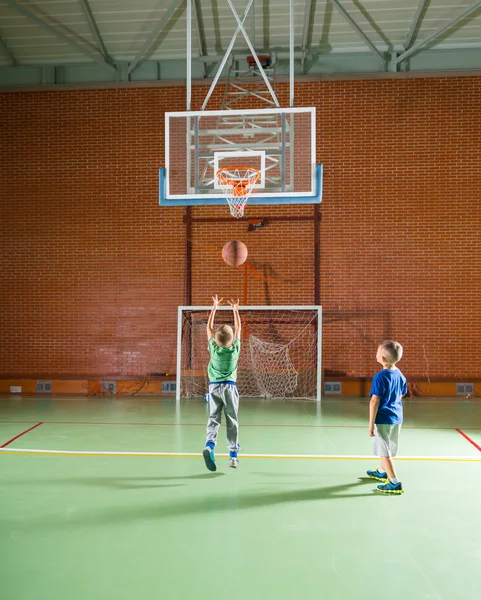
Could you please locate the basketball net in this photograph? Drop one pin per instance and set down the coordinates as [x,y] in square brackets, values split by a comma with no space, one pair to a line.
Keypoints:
[237,184]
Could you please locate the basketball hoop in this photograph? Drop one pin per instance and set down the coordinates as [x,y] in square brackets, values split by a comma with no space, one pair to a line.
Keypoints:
[237,184]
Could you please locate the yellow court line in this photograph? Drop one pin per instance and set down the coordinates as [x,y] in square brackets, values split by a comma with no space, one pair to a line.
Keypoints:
[25,451]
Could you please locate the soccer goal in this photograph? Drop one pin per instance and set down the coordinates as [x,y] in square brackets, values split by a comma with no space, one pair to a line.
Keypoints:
[280,351]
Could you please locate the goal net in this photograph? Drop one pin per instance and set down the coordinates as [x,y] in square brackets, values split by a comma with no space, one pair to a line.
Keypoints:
[280,351]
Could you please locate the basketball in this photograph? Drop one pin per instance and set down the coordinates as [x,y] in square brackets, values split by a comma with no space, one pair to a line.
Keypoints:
[234,253]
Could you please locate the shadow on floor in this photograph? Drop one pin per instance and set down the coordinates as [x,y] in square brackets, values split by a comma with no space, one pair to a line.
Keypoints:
[198,504]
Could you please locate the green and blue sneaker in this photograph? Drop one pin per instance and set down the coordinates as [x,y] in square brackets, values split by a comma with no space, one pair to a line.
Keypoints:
[208,454]
[391,488]
[377,474]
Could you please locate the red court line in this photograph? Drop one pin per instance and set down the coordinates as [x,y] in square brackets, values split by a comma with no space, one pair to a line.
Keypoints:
[20,435]
[469,439]
[140,424]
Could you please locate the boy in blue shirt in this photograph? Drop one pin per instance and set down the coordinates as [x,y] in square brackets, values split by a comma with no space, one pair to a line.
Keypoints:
[224,349]
[386,415]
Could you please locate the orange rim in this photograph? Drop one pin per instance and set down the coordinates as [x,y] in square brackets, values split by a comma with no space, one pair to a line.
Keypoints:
[240,185]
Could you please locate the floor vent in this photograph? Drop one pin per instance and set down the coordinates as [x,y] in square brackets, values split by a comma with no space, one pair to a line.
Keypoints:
[464,389]
[43,387]
[108,386]
[169,387]
[332,387]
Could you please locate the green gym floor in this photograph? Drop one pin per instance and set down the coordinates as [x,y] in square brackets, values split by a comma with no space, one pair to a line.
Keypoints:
[110,499]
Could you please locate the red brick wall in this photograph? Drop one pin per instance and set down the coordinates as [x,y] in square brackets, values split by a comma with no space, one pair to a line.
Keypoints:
[93,269]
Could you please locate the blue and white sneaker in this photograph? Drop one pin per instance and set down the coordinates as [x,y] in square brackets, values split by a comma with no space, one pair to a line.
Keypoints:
[377,474]
[208,454]
[391,488]
[233,462]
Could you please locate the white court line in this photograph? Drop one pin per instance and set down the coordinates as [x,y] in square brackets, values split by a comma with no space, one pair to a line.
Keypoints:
[199,455]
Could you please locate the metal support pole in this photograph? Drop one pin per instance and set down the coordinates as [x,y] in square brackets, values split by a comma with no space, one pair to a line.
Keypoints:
[244,298]
[196,155]
[188,165]
[188,255]
[319,355]
[317,254]
[291,122]
[393,62]
[189,94]
[283,153]
[188,299]
[189,54]
[179,353]
[317,294]
[291,53]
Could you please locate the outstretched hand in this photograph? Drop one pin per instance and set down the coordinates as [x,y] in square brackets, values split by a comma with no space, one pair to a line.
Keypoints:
[234,304]
[216,302]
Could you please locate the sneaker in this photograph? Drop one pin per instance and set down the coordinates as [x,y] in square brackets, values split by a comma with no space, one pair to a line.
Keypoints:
[233,462]
[391,488]
[376,474]
[208,454]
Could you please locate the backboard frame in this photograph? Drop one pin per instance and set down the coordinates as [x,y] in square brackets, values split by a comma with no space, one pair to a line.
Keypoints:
[311,193]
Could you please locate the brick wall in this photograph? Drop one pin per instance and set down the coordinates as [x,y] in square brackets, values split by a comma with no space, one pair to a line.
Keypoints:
[93,269]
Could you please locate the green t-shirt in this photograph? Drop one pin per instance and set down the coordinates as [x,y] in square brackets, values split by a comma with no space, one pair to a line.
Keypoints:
[223,361]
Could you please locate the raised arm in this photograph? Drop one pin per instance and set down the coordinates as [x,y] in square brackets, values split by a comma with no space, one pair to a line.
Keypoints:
[237,319]
[210,323]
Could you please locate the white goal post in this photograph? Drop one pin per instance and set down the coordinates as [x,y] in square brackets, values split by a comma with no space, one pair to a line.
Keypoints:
[281,351]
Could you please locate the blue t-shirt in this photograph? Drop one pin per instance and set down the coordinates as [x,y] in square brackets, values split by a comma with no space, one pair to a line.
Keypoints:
[389,385]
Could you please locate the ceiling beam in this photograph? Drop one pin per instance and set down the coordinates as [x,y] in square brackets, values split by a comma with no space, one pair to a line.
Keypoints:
[71,42]
[367,15]
[307,25]
[200,28]
[459,17]
[356,28]
[305,33]
[200,33]
[416,22]
[156,31]
[253,23]
[95,30]
[8,53]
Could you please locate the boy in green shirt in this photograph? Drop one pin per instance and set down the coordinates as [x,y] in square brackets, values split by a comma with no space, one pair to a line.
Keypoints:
[224,349]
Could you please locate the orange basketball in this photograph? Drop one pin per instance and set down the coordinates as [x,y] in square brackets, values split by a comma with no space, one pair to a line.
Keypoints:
[234,253]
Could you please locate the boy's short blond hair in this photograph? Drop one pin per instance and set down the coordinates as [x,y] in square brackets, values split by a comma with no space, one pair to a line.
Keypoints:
[224,336]
[392,351]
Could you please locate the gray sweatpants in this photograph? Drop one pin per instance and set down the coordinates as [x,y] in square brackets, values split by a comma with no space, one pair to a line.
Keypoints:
[224,397]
